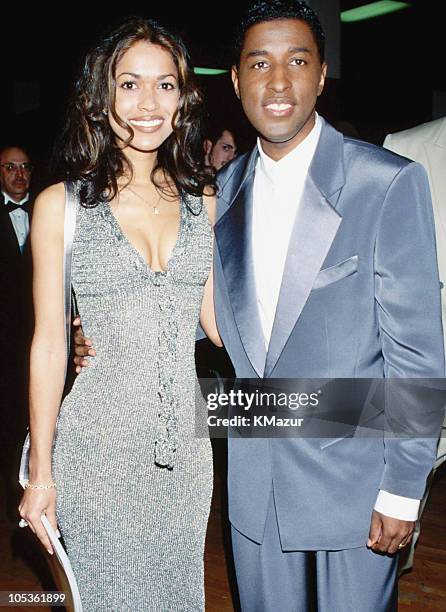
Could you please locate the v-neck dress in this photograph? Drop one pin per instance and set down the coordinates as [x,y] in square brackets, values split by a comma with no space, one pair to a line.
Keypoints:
[134,482]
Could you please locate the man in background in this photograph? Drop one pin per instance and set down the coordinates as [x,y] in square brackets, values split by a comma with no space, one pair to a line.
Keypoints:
[15,178]
[426,144]
[15,299]
[220,147]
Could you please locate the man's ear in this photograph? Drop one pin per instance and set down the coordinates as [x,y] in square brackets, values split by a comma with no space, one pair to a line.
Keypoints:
[234,77]
[321,86]
[207,146]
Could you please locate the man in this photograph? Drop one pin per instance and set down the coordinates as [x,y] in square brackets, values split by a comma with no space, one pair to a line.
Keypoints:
[15,178]
[331,295]
[220,147]
[15,300]
[426,144]
[311,281]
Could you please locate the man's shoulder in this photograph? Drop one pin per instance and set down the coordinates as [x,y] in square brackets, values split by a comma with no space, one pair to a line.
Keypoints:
[424,132]
[229,179]
[378,162]
[4,214]
[229,172]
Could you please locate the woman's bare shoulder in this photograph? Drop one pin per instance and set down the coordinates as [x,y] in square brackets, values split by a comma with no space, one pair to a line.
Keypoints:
[49,209]
[54,195]
[50,201]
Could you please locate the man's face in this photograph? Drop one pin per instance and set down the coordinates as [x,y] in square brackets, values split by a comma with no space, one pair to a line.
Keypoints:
[278,81]
[223,150]
[15,173]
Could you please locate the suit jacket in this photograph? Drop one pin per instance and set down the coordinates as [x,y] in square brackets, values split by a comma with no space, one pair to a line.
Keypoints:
[15,283]
[426,144]
[360,298]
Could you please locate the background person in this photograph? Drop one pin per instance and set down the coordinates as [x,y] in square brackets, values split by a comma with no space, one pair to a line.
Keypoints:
[220,147]
[15,307]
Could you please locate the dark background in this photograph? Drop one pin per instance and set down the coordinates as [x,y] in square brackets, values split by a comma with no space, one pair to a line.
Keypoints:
[390,65]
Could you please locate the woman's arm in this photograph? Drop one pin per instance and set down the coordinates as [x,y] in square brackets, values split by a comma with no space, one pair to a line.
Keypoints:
[207,314]
[48,353]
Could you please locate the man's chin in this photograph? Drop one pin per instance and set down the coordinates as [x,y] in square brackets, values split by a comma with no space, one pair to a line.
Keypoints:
[279,138]
[18,197]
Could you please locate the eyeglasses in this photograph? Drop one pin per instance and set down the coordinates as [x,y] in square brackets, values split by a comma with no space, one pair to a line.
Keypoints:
[13,167]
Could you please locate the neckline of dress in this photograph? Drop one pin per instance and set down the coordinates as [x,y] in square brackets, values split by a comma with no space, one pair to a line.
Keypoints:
[135,251]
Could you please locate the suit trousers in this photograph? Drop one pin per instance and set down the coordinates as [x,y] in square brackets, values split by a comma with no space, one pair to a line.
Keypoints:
[270,580]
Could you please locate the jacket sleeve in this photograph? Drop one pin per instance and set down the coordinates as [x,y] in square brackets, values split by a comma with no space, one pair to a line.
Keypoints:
[407,296]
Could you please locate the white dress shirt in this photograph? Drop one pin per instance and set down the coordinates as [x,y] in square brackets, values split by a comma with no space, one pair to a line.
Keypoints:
[19,219]
[278,188]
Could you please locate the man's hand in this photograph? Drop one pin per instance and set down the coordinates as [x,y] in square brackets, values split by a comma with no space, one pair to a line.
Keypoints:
[387,534]
[82,347]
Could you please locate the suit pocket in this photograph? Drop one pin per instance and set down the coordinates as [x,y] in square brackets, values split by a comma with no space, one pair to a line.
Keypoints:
[337,272]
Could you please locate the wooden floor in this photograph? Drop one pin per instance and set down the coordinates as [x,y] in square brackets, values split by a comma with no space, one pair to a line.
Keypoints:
[23,567]
[424,588]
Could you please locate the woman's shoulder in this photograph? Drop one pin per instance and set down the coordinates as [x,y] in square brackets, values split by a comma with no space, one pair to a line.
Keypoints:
[54,195]
[50,203]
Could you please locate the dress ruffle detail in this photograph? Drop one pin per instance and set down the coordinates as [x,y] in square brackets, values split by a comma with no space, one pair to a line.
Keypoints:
[166,441]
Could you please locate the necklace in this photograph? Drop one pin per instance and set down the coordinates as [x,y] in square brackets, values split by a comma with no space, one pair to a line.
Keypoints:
[156,210]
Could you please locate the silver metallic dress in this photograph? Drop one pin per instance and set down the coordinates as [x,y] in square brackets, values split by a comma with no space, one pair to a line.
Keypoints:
[134,483]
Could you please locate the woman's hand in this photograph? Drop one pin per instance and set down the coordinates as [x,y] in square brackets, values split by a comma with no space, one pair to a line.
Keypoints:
[36,502]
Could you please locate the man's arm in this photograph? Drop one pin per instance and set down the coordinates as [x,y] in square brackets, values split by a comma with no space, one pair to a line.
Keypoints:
[408,305]
[83,347]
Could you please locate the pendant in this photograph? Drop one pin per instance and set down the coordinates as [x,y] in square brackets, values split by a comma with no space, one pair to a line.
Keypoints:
[156,210]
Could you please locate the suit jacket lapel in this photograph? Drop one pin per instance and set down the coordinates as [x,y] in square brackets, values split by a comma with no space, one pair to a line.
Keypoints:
[8,232]
[315,227]
[233,233]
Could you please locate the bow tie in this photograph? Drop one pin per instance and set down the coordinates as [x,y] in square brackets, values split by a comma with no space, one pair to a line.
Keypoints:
[11,206]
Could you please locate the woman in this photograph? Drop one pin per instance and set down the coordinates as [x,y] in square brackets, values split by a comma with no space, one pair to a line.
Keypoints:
[133,483]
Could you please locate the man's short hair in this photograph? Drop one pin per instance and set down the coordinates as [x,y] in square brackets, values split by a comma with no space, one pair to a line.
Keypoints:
[214,131]
[272,10]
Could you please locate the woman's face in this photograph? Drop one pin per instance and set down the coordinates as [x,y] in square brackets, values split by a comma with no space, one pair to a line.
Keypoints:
[147,95]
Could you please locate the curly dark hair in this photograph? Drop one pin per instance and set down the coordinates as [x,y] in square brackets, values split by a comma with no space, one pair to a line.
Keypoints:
[260,11]
[88,152]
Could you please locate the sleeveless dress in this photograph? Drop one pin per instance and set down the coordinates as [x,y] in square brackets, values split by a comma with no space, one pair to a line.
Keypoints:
[134,482]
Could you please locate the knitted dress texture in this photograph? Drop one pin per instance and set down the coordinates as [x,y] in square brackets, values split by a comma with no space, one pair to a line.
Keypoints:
[134,482]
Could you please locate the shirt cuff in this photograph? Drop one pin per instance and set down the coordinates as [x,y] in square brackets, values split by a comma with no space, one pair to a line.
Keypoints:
[396,506]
